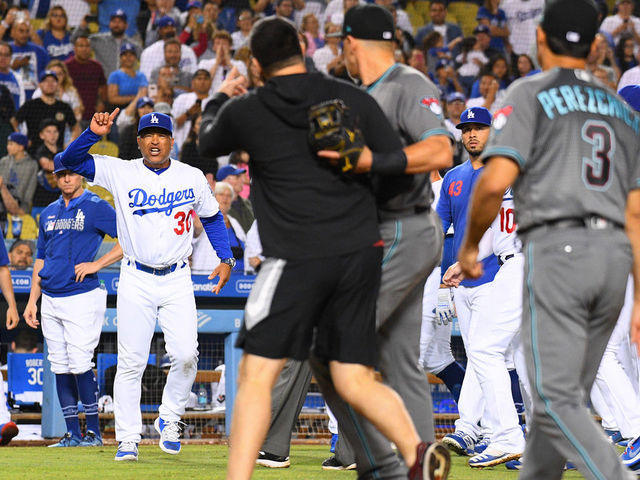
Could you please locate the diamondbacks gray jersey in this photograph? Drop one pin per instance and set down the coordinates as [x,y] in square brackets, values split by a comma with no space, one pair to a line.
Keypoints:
[576,143]
[411,103]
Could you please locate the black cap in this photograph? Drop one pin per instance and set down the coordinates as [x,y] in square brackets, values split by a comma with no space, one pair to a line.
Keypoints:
[368,22]
[571,21]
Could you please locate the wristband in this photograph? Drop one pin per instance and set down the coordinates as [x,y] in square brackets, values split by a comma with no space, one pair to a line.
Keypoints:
[390,163]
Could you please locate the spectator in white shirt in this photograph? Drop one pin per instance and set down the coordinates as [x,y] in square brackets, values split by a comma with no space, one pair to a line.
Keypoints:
[330,55]
[189,105]
[222,64]
[621,22]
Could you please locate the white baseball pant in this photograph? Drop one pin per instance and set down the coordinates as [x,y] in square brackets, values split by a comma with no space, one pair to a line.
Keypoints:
[613,394]
[435,339]
[5,416]
[143,298]
[469,301]
[498,323]
[71,326]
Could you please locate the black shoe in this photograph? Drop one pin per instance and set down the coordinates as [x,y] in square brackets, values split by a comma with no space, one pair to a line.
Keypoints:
[332,463]
[270,460]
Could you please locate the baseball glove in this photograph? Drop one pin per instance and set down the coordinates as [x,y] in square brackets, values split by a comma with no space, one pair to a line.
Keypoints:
[330,128]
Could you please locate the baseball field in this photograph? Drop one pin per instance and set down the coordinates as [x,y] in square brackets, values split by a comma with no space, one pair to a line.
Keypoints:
[194,462]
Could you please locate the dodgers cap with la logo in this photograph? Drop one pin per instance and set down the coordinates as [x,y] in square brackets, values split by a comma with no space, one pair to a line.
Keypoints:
[155,120]
[479,115]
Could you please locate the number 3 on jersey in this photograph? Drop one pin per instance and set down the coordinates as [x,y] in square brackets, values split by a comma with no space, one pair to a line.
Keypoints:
[507,220]
[184,222]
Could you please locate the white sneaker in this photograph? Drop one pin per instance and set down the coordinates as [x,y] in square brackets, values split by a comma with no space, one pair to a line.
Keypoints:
[169,435]
[127,451]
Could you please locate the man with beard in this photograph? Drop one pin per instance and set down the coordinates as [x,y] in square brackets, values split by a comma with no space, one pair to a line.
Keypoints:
[153,56]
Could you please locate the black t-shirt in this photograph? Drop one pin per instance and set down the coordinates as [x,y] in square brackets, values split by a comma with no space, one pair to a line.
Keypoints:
[304,209]
[47,188]
[34,111]
[7,107]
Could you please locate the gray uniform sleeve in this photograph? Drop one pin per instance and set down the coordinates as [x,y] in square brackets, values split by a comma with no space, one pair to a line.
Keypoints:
[635,179]
[419,111]
[513,129]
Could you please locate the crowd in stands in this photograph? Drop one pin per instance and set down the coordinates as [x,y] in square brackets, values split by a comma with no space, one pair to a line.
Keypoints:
[63,60]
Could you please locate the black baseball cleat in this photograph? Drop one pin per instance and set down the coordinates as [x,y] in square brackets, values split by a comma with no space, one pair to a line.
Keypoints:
[270,460]
[433,462]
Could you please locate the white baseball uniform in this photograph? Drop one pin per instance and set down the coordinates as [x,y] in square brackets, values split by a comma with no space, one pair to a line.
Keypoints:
[613,394]
[435,339]
[154,216]
[498,327]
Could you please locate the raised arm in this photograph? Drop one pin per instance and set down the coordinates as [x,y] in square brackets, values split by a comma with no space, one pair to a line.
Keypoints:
[76,156]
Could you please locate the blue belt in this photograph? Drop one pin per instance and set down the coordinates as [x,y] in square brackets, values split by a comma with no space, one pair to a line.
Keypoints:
[156,271]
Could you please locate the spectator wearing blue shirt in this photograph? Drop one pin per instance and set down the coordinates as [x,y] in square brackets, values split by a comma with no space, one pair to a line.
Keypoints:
[125,83]
[438,12]
[106,8]
[55,37]
[496,19]
[8,77]
[73,300]
[28,59]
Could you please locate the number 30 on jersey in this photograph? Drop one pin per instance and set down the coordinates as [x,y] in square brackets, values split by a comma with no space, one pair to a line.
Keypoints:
[185,220]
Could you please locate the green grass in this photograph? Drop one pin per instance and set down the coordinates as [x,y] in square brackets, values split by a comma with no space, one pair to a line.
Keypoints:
[194,462]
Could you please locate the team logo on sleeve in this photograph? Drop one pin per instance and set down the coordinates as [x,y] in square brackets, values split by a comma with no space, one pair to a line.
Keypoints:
[500,117]
[432,104]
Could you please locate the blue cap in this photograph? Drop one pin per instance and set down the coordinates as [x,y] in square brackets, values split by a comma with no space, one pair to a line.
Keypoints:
[155,120]
[17,137]
[128,47]
[482,29]
[57,164]
[47,73]
[194,4]
[631,94]
[479,115]
[456,97]
[119,13]
[227,170]
[165,22]
[142,101]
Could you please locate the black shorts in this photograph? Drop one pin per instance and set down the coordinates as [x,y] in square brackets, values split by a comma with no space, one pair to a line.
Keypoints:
[328,303]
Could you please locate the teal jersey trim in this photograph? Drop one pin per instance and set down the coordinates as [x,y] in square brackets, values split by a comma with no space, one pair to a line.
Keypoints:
[538,380]
[394,245]
[371,87]
[504,152]
[436,131]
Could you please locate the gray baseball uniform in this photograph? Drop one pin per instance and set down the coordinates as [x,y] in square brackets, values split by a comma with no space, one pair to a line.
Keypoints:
[576,144]
[413,238]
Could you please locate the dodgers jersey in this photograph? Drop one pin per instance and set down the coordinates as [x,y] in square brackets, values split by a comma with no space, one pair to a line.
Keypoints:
[155,207]
[69,235]
[453,204]
[410,102]
[505,239]
[591,171]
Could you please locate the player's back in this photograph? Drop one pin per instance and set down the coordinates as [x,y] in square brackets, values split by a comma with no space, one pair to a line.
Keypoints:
[304,209]
[577,142]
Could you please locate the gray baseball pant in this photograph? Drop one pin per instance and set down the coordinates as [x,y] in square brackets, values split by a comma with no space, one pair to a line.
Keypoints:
[413,247]
[287,398]
[574,289]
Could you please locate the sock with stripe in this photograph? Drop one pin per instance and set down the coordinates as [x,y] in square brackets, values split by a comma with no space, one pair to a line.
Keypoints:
[68,396]
[88,390]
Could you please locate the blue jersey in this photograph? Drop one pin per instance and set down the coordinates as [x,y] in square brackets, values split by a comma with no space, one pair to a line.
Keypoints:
[10,81]
[4,256]
[452,208]
[71,235]
[57,49]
